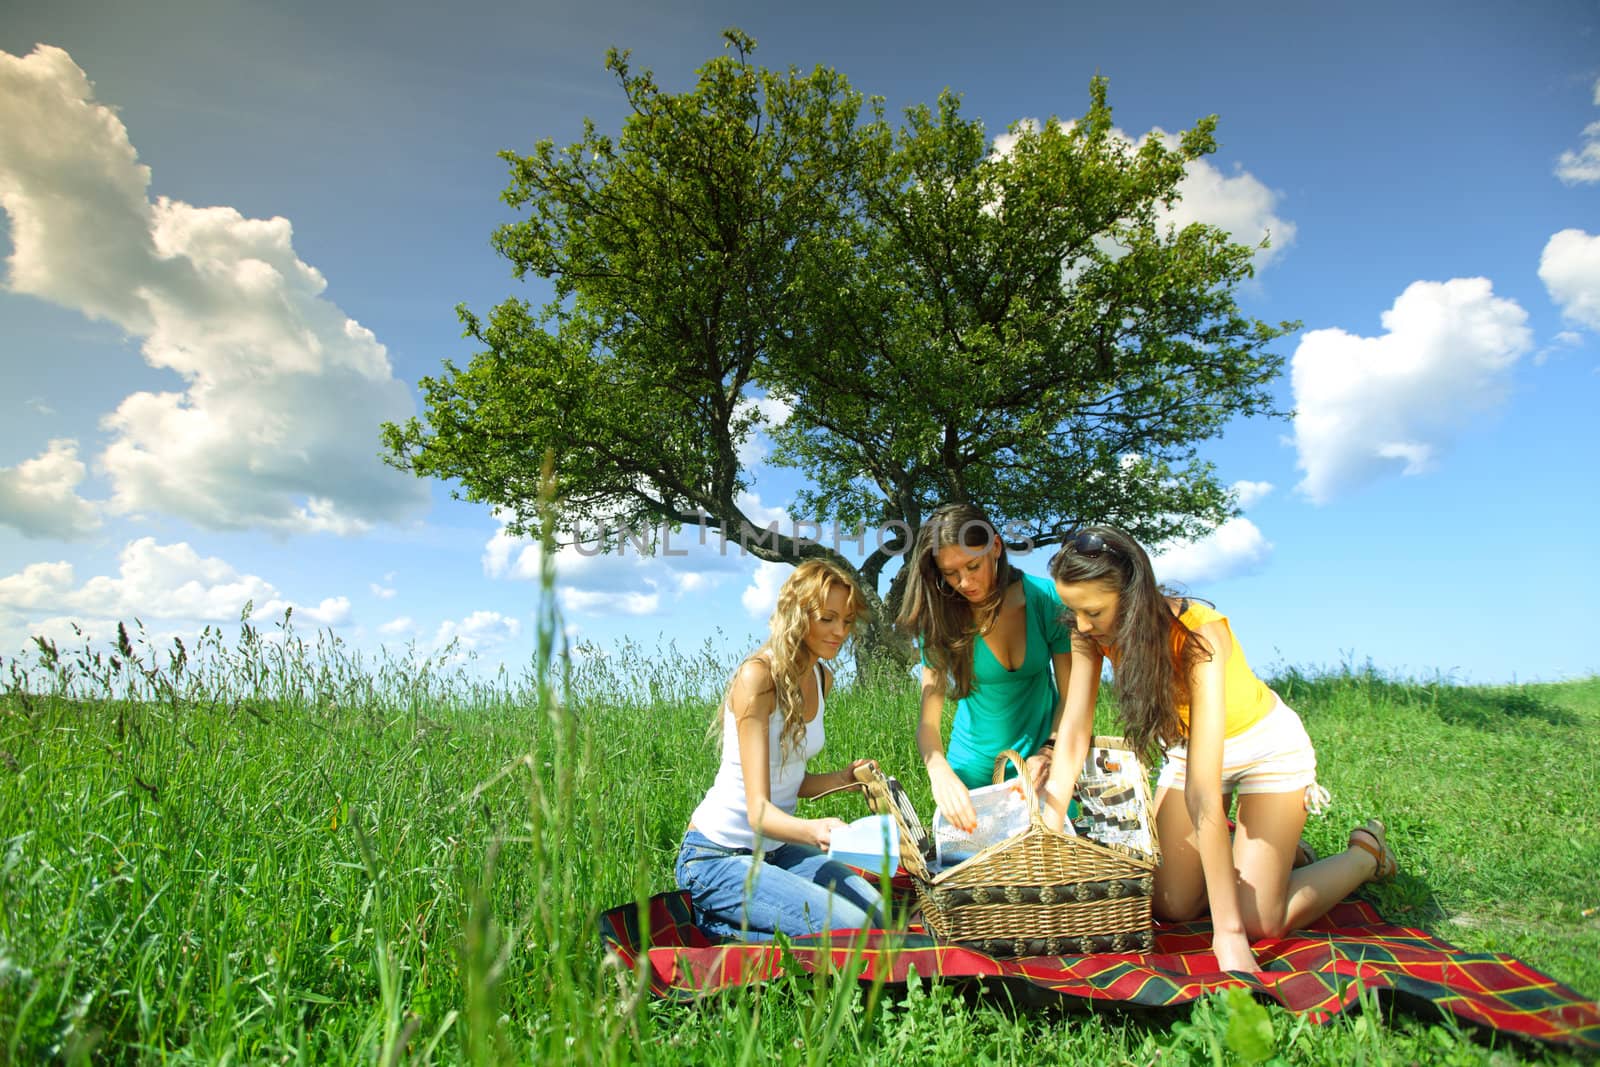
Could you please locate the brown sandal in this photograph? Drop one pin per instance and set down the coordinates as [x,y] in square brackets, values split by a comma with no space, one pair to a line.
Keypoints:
[1387,866]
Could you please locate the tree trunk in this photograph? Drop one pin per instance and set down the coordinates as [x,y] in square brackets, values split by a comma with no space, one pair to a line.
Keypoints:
[881,650]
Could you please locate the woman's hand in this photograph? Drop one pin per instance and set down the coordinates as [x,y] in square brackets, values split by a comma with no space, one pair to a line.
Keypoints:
[952,797]
[1038,769]
[1233,952]
[850,770]
[822,830]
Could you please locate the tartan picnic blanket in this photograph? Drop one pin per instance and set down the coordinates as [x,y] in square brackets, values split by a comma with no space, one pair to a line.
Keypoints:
[1318,971]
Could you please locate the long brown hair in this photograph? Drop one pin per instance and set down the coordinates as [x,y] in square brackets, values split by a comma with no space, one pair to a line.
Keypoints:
[801,598]
[1152,675]
[933,611]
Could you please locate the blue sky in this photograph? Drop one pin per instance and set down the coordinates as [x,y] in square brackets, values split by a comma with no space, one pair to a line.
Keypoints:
[235,234]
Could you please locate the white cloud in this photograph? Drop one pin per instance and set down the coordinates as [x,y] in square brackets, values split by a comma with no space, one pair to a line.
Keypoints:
[1236,547]
[331,611]
[595,602]
[399,626]
[479,631]
[37,405]
[261,434]
[622,580]
[762,515]
[157,582]
[1241,204]
[1581,166]
[1367,405]
[38,496]
[1247,493]
[382,592]
[773,414]
[761,596]
[1570,270]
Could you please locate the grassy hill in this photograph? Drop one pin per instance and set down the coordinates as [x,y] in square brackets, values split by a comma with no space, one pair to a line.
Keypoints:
[277,851]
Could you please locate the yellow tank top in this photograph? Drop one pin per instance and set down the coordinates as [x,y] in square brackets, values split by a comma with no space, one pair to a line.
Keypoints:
[1248,698]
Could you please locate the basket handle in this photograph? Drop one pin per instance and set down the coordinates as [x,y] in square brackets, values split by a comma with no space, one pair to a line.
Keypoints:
[875,784]
[1022,775]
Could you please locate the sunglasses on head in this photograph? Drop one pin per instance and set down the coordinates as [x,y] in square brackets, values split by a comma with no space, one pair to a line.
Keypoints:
[1089,543]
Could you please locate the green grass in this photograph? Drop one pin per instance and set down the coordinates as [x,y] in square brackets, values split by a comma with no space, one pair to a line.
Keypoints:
[276,851]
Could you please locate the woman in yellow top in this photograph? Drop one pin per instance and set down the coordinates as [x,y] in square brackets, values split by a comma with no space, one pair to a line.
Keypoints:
[1183,685]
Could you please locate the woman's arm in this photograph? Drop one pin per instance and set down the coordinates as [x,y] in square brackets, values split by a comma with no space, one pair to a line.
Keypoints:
[1039,763]
[753,702]
[949,792]
[1202,793]
[813,785]
[831,781]
[1075,729]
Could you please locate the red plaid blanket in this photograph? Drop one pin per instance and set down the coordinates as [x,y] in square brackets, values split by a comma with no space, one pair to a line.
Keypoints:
[1317,971]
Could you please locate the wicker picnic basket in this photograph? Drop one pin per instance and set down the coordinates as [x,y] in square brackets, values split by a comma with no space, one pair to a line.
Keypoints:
[1042,891]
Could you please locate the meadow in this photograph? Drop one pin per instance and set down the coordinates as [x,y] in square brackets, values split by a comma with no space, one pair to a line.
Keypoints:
[275,850]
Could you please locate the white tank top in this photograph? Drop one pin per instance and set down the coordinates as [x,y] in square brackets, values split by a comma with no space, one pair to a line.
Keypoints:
[722,816]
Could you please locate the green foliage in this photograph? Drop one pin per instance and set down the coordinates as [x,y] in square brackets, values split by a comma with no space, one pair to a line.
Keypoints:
[673,250]
[1018,328]
[945,321]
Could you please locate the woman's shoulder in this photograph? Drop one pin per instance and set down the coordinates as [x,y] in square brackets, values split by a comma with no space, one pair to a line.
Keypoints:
[752,680]
[1196,613]
[1039,590]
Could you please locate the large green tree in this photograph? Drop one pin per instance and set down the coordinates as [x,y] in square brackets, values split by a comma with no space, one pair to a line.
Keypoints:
[1021,330]
[944,321]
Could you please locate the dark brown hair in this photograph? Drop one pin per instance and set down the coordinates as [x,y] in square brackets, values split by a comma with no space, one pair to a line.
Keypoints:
[1152,675]
[946,621]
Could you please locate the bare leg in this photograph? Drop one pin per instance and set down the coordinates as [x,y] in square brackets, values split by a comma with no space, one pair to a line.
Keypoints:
[1274,898]
[1180,883]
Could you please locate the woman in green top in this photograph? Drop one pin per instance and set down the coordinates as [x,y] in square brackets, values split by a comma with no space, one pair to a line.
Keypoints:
[993,639]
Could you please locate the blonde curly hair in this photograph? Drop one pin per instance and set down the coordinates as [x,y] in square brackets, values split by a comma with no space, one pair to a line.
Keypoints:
[800,600]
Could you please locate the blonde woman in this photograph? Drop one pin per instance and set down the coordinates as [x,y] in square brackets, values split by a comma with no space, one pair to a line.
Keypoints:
[752,867]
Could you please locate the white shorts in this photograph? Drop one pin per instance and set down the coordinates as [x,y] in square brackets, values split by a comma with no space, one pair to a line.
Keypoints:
[1273,756]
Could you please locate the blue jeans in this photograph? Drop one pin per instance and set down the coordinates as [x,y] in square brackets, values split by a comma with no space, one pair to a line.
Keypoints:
[792,888]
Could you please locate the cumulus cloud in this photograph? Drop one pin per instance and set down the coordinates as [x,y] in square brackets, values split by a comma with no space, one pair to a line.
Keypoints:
[154,581]
[1369,405]
[1236,547]
[1248,493]
[261,434]
[772,413]
[1239,203]
[764,516]
[620,581]
[622,602]
[1570,270]
[400,626]
[627,580]
[38,497]
[1581,165]
[480,631]
[761,595]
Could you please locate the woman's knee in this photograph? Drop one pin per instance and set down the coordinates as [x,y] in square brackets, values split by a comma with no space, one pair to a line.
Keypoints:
[1177,905]
[1257,927]
[851,891]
